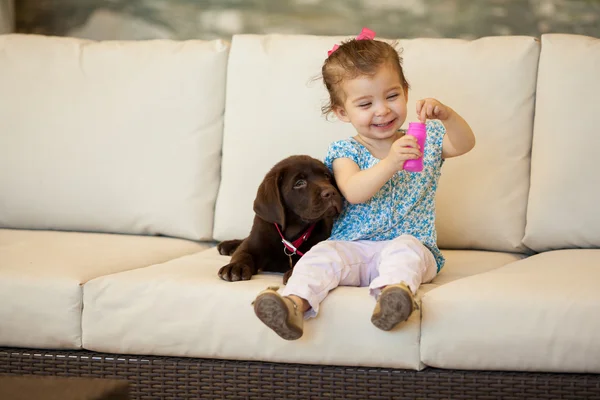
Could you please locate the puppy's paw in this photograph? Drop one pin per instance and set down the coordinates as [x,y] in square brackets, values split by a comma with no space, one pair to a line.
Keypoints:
[227,247]
[235,272]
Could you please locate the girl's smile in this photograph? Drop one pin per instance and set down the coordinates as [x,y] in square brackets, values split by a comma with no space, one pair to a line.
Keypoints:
[385,125]
[374,104]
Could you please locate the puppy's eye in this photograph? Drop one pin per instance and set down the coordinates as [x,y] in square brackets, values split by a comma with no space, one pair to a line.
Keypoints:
[328,177]
[300,183]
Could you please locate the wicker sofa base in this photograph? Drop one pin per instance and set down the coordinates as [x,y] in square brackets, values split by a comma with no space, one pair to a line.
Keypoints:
[153,377]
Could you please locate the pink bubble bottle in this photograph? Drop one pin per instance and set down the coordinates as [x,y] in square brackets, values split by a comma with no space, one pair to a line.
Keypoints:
[416,129]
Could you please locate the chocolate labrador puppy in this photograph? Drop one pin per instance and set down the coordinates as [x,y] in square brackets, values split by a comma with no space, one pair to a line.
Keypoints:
[296,201]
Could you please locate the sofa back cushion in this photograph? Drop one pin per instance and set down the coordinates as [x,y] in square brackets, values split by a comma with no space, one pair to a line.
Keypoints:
[121,137]
[565,189]
[273,110]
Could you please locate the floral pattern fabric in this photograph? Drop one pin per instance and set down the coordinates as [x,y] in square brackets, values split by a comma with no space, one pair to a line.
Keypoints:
[405,205]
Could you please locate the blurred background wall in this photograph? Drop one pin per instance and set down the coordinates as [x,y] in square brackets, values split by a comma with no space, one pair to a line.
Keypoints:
[7,16]
[206,19]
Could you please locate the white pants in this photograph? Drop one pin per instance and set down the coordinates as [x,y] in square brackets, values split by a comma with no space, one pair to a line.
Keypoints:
[363,263]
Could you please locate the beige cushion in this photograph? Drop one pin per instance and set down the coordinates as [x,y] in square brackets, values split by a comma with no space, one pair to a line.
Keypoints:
[41,273]
[565,189]
[538,314]
[463,263]
[120,137]
[181,308]
[273,110]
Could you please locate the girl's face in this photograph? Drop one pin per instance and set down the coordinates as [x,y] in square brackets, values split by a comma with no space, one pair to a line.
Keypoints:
[374,105]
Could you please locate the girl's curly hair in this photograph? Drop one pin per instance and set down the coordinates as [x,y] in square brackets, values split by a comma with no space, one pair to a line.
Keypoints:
[356,58]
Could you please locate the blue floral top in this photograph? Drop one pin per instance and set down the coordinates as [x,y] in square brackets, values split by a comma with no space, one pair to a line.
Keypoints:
[404,205]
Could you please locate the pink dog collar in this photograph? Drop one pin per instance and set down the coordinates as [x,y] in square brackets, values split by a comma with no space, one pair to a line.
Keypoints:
[293,246]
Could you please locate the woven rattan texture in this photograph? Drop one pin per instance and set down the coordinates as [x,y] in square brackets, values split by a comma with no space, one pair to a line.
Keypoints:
[154,377]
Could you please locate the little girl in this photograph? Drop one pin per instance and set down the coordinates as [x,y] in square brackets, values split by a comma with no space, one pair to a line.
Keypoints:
[385,236]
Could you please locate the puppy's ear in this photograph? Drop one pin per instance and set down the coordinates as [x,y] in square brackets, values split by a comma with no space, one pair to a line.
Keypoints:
[268,204]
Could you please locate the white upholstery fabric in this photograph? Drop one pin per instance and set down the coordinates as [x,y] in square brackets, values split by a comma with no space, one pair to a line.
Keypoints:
[119,137]
[538,314]
[463,263]
[565,186]
[273,110]
[41,273]
[181,308]
[189,311]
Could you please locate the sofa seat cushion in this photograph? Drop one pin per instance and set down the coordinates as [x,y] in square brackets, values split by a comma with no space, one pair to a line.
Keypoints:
[537,314]
[41,273]
[181,308]
[463,263]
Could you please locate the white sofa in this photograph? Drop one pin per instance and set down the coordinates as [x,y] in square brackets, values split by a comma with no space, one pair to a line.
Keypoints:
[123,163]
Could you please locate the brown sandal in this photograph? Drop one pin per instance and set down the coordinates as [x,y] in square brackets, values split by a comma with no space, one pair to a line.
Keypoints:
[279,313]
[394,305]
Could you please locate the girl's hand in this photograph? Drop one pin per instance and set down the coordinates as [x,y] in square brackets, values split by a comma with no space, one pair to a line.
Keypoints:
[405,148]
[432,109]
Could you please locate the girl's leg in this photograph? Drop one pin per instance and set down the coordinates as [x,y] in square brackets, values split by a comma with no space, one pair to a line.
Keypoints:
[328,265]
[405,264]
[323,268]
[404,259]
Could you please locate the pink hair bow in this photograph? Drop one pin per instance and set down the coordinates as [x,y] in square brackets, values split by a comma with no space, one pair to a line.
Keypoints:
[365,34]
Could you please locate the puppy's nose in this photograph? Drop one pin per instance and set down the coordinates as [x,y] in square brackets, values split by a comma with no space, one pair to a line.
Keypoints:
[327,193]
